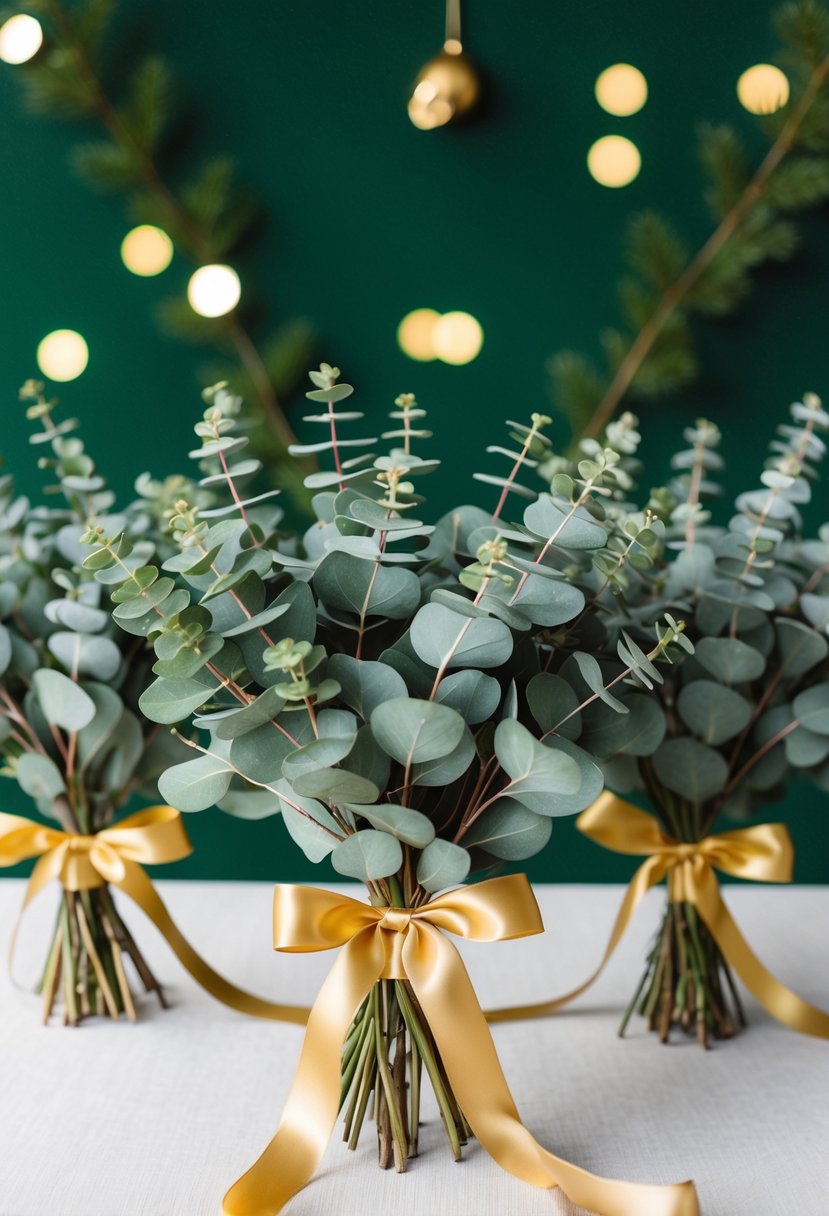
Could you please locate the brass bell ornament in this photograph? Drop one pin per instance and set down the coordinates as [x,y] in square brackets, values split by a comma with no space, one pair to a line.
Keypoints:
[448,86]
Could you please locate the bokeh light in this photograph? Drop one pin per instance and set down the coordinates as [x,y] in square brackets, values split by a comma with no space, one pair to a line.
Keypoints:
[457,338]
[214,290]
[146,250]
[416,334]
[62,355]
[614,161]
[763,89]
[621,89]
[21,37]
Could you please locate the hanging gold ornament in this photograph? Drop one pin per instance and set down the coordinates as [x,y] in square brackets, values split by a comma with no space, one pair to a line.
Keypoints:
[449,85]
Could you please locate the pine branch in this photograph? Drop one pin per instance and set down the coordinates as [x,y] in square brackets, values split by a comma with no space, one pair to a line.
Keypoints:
[206,217]
[666,285]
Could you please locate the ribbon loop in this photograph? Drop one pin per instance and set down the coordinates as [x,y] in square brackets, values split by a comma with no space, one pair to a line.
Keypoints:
[116,855]
[495,910]
[763,853]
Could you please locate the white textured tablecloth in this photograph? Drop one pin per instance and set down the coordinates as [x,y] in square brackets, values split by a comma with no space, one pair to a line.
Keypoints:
[158,1119]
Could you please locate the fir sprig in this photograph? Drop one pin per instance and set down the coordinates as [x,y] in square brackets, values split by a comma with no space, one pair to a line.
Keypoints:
[206,216]
[652,353]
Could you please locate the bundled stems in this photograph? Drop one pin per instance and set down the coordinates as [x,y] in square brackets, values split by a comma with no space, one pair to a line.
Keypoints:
[383,1060]
[687,981]
[85,971]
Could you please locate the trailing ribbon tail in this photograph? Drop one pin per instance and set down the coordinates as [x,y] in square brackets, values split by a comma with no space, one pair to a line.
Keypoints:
[763,853]
[410,944]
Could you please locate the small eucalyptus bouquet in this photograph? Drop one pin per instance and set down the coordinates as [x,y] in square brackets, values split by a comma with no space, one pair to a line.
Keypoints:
[71,735]
[728,729]
[378,682]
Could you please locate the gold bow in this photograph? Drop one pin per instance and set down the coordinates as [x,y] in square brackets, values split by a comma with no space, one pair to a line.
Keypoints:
[411,944]
[117,855]
[763,853]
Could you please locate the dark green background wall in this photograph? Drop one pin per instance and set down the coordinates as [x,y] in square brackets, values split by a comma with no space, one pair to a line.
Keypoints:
[369,218]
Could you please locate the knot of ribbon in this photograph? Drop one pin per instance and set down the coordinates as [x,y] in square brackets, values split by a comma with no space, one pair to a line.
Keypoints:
[411,945]
[762,853]
[117,855]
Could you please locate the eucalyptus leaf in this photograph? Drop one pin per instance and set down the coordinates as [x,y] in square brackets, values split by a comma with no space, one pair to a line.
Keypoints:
[196,784]
[730,660]
[441,865]
[368,855]
[715,714]
[336,786]
[170,701]
[811,707]
[445,639]
[689,768]
[408,825]
[472,694]
[365,685]
[366,588]
[509,831]
[538,774]
[86,654]
[63,702]
[40,778]
[412,731]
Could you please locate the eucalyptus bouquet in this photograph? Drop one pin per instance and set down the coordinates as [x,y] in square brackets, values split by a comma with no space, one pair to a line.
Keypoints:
[377,682]
[70,733]
[727,730]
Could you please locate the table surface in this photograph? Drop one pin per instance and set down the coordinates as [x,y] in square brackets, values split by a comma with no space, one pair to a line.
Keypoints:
[159,1118]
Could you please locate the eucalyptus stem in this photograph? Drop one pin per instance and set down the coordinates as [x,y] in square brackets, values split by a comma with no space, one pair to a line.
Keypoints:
[85,971]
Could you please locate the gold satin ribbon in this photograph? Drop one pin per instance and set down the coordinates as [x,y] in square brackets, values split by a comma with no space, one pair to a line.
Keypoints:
[763,853]
[117,855]
[395,943]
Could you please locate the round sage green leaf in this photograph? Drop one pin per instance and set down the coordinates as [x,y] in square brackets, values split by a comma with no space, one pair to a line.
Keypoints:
[353,584]
[259,754]
[592,779]
[368,855]
[108,710]
[309,823]
[548,601]
[322,753]
[63,702]
[805,748]
[250,804]
[169,701]
[87,654]
[196,784]
[413,731]
[730,660]
[801,648]
[714,713]
[573,529]
[442,864]
[689,768]
[446,639]
[812,708]
[335,785]
[538,774]
[365,684]
[470,693]
[552,700]
[406,824]
[636,733]
[443,770]
[39,777]
[509,831]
